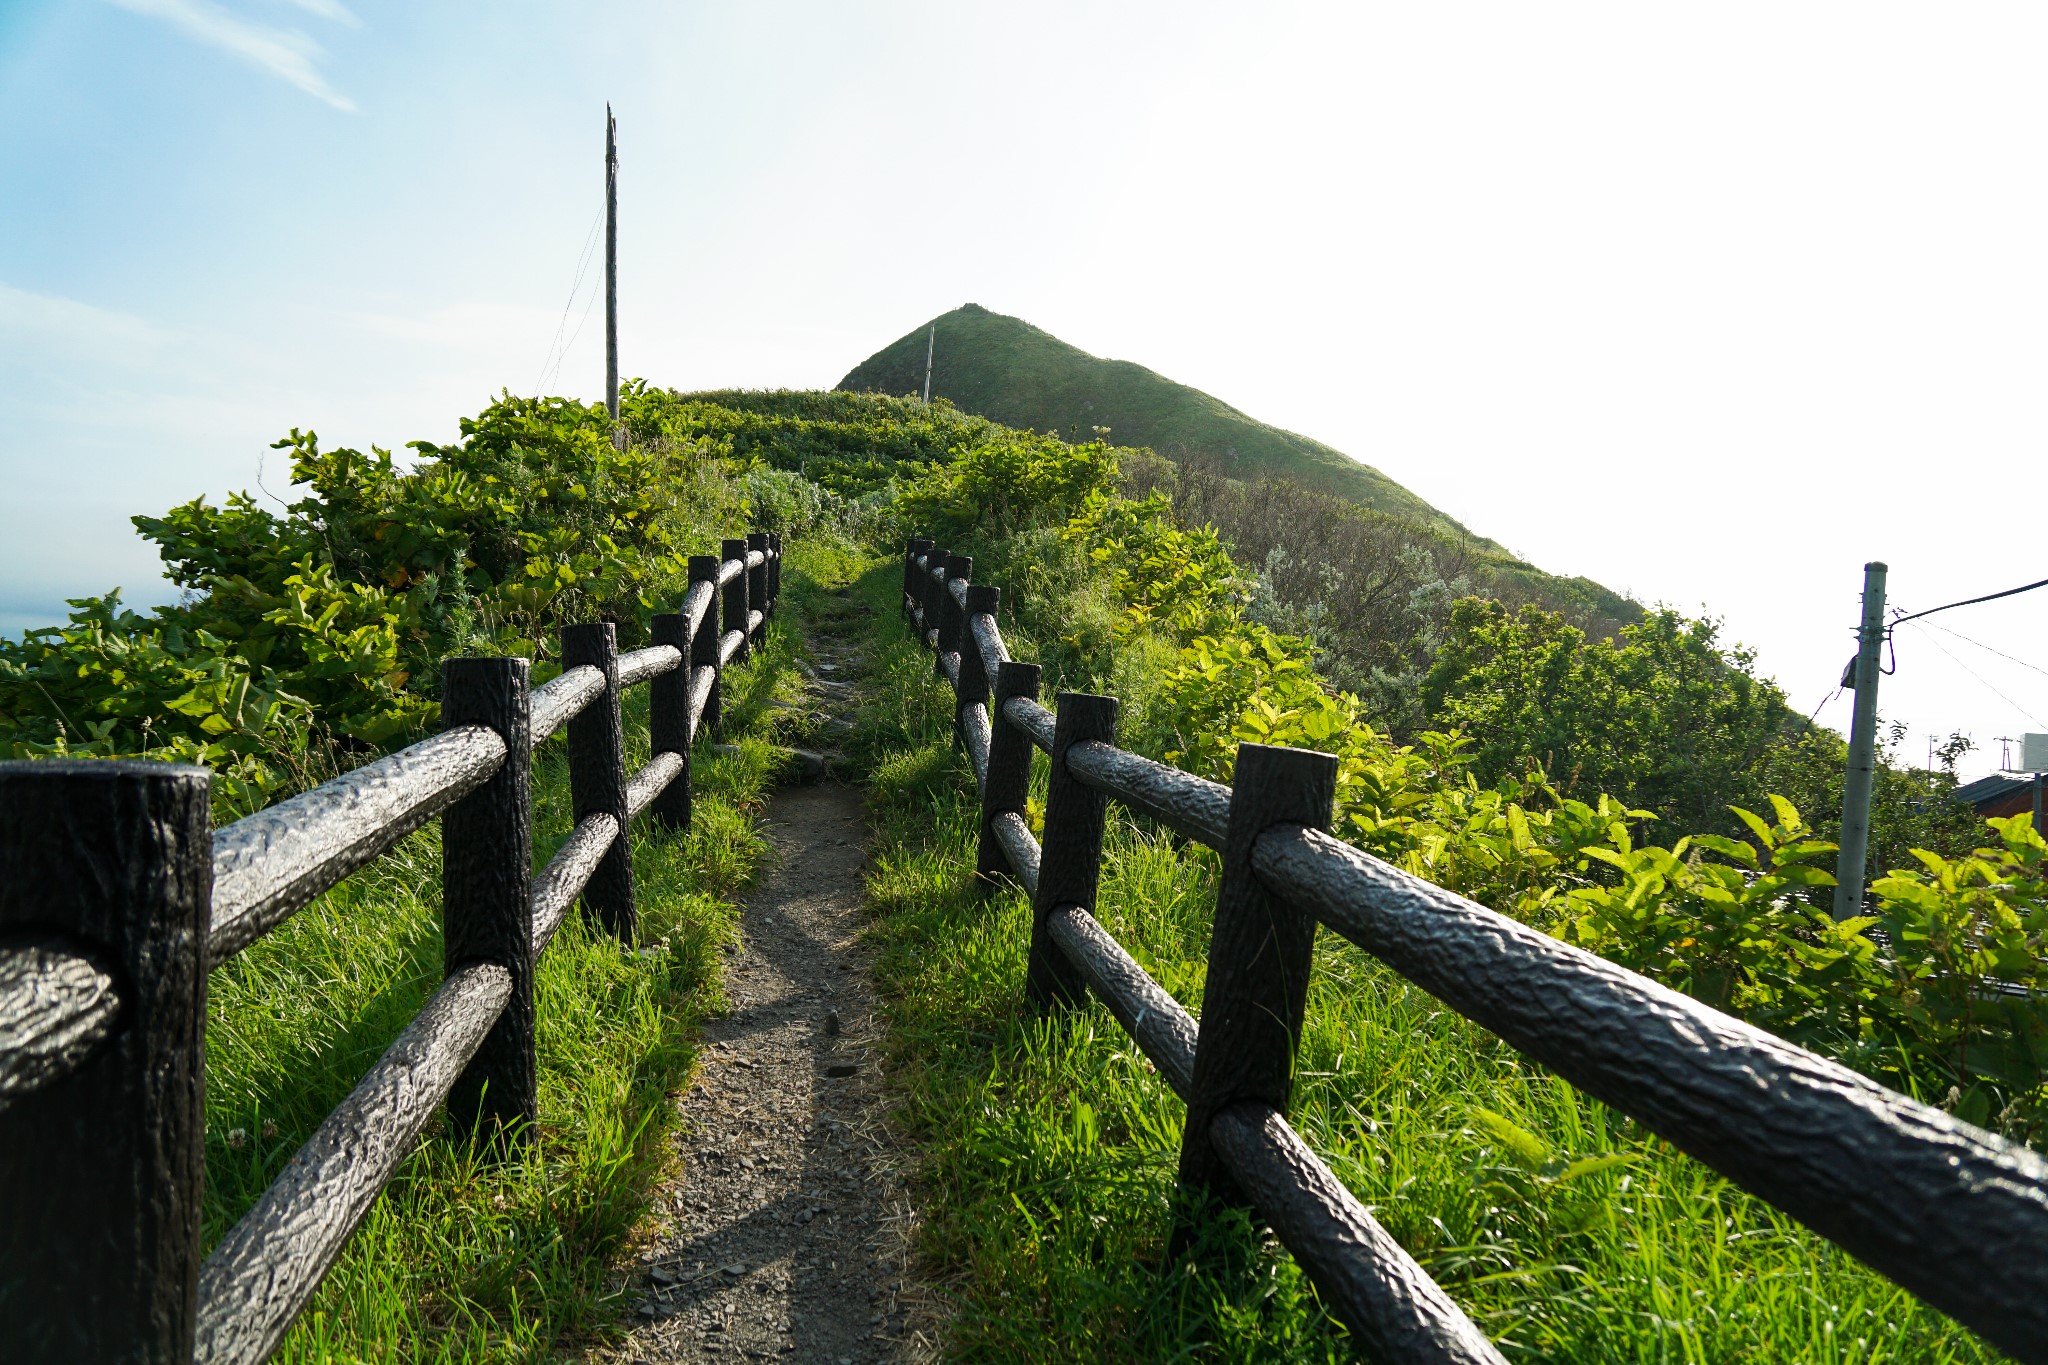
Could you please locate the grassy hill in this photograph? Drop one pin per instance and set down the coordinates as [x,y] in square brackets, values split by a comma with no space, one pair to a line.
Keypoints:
[1005,369]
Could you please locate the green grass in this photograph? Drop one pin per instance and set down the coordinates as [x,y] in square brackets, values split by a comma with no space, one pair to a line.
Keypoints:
[465,1259]
[1049,1144]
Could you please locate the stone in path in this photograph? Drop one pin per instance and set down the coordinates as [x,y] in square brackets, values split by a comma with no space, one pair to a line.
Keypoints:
[784,1237]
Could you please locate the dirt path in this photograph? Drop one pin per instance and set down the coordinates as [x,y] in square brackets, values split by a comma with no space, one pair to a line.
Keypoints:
[785,1233]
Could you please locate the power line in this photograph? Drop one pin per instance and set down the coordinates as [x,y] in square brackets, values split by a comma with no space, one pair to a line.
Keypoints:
[1972,601]
[1981,679]
[557,351]
[1999,652]
[551,364]
[578,333]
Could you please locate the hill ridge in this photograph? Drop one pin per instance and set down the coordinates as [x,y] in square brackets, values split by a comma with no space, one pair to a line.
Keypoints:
[1011,371]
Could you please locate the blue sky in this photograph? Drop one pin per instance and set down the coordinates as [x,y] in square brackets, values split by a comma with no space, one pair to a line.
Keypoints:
[1711,306]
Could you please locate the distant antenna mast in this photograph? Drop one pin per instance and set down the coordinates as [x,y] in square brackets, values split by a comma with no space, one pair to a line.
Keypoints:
[611,269]
[931,342]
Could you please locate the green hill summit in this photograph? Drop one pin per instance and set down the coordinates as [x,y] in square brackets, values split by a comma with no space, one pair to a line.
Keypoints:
[1005,369]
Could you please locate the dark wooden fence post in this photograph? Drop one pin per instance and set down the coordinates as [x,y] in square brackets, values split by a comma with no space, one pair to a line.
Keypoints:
[939,615]
[668,721]
[774,570]
[935,561]
[736,596]
[100,1171]
[1070,861]
[913,589]
[487,899]
[597,776]
[952,618]
[757,583]
[912,547]
[1260,952]
[1009,768]
[974,679]
[704,644]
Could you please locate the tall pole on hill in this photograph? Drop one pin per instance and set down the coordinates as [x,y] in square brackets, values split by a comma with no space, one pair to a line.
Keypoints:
[611,266]
[930,344]
[1862,749]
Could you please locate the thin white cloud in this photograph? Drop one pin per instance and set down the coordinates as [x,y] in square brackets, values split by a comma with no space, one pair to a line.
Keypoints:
[332,10]
[285,53]
[34,324]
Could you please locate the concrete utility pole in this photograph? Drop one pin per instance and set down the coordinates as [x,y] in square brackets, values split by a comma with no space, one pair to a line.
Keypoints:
[611,264]
[1849,865]
[931,343]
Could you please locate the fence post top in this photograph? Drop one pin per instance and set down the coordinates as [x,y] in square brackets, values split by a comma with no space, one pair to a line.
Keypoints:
[1084,711]
[1015,679]
[757,540]
[105,768]
[606,629]
[983,597]
[1085,698]
[1281,758]
[1289,785]
[514,663]
[703,567]
[959,566]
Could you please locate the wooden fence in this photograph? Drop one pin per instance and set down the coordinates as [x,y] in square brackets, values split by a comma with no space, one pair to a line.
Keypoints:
[117,898]
[1956,1215]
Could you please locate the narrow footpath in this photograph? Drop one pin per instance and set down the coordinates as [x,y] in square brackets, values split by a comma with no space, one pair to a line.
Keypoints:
[785,1233]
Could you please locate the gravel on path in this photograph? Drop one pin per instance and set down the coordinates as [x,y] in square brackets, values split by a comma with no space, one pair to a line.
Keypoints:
[785,1233]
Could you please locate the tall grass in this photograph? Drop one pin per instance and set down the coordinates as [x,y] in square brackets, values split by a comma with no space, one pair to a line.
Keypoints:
[1050,1145]
[465,1259]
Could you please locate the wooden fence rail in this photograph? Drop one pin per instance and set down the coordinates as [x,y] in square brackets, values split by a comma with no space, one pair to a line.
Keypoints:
[1954,1214]
[117,898]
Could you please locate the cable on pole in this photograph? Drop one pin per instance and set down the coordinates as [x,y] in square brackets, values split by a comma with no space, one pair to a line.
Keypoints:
[1972,601]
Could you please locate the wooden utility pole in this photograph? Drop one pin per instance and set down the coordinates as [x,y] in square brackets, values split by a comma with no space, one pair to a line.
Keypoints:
[611,268]
[1849,865]
[930,342]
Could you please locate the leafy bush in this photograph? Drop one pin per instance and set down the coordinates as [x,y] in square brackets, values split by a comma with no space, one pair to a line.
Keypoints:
[111,682]
[1739,920]
[331,618]
[1017,479]
[1964,996]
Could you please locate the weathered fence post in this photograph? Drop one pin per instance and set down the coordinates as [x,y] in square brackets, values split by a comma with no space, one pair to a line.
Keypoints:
[912,548]
[920,580]
[959,569]
[1009,768]
[1260,952]
[735,602]
[487,899]
[597,776]
[774,571]
[668,720]
[101,1170]
[938,588]
[973,685]
[757,584]
[928,593]
[704,644]
[1070,860]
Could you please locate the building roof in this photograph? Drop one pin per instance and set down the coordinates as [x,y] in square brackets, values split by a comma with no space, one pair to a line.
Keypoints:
[1994,788]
